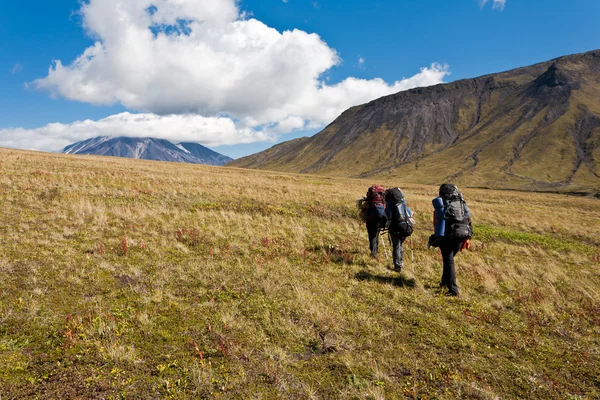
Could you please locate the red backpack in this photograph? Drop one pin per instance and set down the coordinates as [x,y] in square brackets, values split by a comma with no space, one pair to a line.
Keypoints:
[375,195]
[366,205]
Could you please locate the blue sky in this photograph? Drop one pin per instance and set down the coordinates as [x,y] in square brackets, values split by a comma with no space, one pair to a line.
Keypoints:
[385,39]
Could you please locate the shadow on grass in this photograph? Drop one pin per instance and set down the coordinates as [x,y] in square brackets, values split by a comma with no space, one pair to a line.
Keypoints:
[400,281]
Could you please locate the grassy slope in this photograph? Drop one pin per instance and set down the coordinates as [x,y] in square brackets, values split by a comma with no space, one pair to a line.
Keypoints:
[129,279]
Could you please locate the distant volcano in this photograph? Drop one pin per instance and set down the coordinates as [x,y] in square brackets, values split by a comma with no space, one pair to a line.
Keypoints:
[147,149]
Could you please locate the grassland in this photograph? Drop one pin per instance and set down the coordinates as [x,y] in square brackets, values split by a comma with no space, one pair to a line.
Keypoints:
[130,279]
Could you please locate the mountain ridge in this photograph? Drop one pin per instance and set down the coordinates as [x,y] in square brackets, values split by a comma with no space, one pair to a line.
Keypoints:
[530,128]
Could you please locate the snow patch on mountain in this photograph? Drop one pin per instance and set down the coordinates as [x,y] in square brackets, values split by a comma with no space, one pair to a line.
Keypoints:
[179,146]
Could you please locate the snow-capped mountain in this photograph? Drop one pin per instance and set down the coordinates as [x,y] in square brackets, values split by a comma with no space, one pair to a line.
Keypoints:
[147,149]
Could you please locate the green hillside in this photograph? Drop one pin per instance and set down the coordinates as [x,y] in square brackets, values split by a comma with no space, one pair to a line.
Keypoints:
[135,279]
[533,128]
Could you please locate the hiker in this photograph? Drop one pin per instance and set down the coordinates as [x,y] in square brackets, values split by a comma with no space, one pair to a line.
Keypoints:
[453,231]
[399,222]
[374,215]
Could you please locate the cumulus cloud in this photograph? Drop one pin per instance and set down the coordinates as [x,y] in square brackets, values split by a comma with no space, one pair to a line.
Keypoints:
[328,103]
[211,131]
[205,57]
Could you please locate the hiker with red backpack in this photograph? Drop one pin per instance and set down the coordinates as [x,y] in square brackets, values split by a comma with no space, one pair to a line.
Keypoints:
[400,223]
[373,212]
[453,231]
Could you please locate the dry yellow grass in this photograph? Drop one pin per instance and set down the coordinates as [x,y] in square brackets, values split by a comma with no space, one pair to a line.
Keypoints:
[133,279]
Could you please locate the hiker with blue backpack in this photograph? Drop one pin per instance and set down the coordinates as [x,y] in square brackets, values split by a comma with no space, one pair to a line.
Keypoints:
[453,231]
[400,223]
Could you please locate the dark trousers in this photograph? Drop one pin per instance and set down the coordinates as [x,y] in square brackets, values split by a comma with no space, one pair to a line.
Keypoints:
[450,247]
[397,251]
[373,230]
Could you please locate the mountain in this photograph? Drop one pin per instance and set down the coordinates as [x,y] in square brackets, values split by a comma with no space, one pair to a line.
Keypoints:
[532,128]
[147,149]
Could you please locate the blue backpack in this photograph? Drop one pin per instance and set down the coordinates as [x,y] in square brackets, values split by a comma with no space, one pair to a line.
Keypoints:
[400,216]
[455,213]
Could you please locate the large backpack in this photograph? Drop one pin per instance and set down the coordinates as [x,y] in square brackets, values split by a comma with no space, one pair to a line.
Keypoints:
[457,224]
[401,221]
[375,195]
[374,206]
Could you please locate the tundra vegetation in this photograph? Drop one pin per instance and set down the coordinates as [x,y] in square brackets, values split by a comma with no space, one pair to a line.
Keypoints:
[137,279]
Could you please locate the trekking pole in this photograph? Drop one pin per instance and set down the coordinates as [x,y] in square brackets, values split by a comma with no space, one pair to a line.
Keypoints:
[387,257]
[412,256]
[389,236]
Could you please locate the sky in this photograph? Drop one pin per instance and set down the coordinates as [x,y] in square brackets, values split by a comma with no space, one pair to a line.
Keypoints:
[241,76]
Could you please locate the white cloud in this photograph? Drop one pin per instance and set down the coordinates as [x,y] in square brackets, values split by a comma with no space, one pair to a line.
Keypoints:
[212,131]
[203,57]
[329,101]
[16,68]
[497,4]
[361,61]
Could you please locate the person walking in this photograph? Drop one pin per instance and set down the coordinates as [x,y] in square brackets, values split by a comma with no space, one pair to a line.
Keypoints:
[375,216]
[399,222]
[453,231]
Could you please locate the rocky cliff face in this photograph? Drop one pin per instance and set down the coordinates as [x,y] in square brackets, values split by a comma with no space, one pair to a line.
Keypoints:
[534,128]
